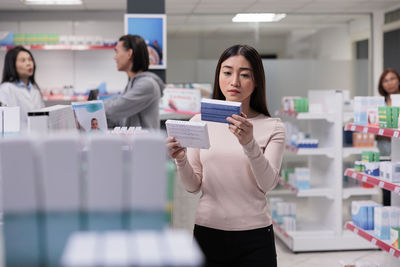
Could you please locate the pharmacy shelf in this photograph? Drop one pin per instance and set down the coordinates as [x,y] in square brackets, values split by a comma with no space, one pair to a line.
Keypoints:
[64,97]
[320,151]
[348,116]
[359,191]
[165,115]
[367,235]
[306,115]
[311,237]
[374,130]
[373,180]
[62,47]
[313,192]
[348,151]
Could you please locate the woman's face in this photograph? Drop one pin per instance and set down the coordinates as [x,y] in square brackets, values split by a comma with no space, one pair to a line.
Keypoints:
[391,83]
[24,65]
[123,57]
[236,79]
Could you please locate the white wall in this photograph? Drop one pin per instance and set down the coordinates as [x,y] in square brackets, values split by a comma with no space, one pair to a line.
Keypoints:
[82,69]
[185,52]
[326,44]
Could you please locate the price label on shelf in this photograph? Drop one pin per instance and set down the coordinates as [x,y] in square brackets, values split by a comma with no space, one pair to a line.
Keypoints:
[381,131]
[354,175]
[391,251]
[396,134]
[364,179]
[373,241]
[365,130]
[381,184]
[353,128]
[397,189]
[355,230]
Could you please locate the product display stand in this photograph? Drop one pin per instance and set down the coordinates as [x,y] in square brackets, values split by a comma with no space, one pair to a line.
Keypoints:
[393,253]
[319,210]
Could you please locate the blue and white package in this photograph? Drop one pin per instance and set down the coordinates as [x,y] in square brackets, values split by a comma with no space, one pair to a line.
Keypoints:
[382,222]
[217,110]
[359,214]
[372,168]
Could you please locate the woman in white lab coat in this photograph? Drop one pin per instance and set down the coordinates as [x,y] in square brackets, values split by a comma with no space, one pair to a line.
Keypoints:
[18,86]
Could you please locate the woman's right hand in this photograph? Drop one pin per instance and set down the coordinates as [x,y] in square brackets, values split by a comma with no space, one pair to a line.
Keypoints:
[175,150]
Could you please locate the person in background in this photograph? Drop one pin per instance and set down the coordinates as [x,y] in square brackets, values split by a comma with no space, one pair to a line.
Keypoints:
[233,224]
[389,83]
[18,86]
[139,103]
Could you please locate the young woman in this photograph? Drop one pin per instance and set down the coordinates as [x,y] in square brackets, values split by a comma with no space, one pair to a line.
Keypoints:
[139,103]
[233,222]
[389,83]
[18,87]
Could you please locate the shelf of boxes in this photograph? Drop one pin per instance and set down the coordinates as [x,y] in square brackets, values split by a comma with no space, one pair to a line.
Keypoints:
[320,151]
[306,115]
[395,198]
[64,97]
[374,130]
[311,235]
[348,151]
[322,229]
[359,191]
[367,235]
[312,192]
[62,47]
[373,180]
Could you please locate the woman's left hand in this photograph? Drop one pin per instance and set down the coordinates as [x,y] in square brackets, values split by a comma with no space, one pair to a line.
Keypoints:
[241,128]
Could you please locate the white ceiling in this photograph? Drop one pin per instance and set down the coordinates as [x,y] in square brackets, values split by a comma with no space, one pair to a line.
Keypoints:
[215,15]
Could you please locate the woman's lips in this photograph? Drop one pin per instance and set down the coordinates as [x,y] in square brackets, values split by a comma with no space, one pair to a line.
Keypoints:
[234,91]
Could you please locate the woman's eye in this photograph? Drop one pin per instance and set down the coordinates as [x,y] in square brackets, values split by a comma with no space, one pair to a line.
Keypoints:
[245,75]
[227,73]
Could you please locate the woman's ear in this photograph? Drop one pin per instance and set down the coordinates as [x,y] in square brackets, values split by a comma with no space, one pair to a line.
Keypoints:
[130,53]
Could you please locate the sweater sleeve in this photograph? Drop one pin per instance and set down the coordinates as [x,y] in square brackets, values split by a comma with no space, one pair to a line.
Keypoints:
[137,98]
[190,170]
[265,166]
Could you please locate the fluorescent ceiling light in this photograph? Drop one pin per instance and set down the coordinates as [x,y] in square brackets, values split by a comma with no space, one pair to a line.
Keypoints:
[53,2]
[258,17]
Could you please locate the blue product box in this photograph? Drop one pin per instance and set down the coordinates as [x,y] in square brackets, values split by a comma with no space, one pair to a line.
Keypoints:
[218,110]
[6,38]
[359,214]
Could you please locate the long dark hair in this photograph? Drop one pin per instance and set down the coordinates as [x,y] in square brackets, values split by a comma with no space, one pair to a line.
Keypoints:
[257,98]
[10,73]
[381,90]
[140,55]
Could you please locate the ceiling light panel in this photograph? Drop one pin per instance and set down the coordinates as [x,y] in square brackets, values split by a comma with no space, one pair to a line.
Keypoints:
[53,2]
[258,17]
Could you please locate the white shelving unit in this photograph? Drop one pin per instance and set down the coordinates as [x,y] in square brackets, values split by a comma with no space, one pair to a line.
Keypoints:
[319,210]
[393,253]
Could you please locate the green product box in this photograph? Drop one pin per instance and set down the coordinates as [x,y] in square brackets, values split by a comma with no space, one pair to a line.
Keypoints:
[297,104]
[367,156]
[395,117]
[385,117]
[53,38]
[305,104]
[19,39]
[377,156]
[357,166]
[29,38]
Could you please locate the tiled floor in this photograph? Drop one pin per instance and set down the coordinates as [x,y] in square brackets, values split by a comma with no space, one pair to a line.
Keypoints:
[185,205]
[286,258]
